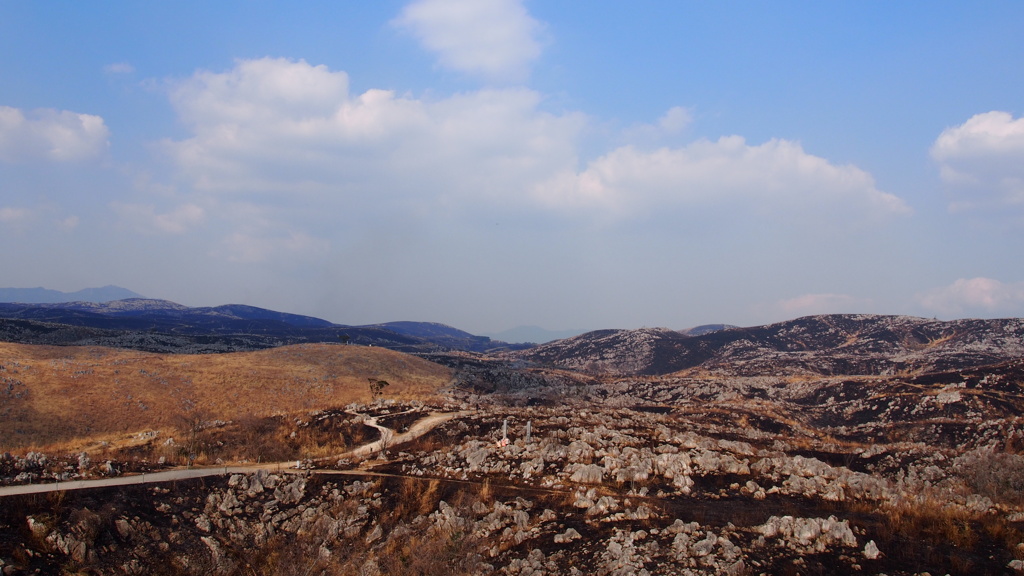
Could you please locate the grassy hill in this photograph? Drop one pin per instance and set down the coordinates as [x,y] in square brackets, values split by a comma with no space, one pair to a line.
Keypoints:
[61,396]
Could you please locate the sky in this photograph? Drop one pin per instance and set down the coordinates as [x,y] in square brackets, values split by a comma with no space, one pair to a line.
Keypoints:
[490,164]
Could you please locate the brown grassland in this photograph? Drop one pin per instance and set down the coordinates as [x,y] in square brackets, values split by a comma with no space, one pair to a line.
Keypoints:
[69,397]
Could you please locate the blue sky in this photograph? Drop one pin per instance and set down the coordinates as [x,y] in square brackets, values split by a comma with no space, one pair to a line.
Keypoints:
[497,163]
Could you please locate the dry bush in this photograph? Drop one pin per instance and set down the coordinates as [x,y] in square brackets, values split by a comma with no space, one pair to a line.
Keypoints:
[416,497]
[933,533]
[408,547]
[330,436]
[284,555]
[257,439]
[997,475]
[440,549]
[435,552]
[930,522]
[434,441]
[253,438]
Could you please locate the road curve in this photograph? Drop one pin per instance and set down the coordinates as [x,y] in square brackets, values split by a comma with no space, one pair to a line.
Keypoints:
[388,439]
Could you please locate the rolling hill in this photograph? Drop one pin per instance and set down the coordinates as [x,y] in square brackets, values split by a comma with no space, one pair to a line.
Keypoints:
[52,394]
[834,344]
[163,326]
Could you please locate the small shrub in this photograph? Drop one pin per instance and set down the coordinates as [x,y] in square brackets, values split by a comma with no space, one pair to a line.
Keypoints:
[437,551]
[997,475]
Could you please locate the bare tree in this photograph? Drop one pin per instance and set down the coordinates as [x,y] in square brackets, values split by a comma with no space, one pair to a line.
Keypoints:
[377,387]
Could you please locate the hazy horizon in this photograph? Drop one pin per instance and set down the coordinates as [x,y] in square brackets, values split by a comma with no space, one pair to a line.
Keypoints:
[515,334]
[494,164]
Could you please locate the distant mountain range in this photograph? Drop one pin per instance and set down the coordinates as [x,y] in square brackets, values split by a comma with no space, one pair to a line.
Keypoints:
[830,345]
[47,296]
[163,326]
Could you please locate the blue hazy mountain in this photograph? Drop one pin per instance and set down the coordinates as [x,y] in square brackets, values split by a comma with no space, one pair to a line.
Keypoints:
[47,296]
[164,326]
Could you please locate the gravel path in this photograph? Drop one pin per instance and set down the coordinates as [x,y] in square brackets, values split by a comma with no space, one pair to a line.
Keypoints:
[388,438]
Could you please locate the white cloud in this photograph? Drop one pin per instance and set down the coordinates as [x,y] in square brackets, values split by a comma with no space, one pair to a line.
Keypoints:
[36,219]
[672,123]
[13,215]
[283,127]
[288,139]
[494,38]
[675,120]
[54,135]
[809,304]
[68,224]
[975,295]
[146,219]
[982,160]
[267,89]
[119,68]
[775,175]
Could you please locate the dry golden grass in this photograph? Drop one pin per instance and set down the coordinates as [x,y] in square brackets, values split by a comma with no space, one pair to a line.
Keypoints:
[60,397]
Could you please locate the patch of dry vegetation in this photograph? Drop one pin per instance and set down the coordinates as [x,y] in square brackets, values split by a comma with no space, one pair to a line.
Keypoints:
[997,475]
[67,397]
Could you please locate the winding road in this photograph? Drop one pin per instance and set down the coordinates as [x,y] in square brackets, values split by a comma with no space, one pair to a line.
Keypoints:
[388,438]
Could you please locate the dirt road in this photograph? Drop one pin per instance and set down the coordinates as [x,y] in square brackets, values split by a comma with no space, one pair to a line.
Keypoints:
[388,438]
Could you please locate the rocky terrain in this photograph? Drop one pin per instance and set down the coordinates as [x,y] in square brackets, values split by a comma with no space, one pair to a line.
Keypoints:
[836,344]
[824,445]
[600,490]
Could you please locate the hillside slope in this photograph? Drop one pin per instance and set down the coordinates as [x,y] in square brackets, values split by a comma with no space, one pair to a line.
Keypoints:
[836,344]
[55,394]
[164,326]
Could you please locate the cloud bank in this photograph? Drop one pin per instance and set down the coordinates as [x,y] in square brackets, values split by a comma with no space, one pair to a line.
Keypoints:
[982,160]
[284,167]
[286,127]
[777,176]
[975,295]
[50,135]
[280,129]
